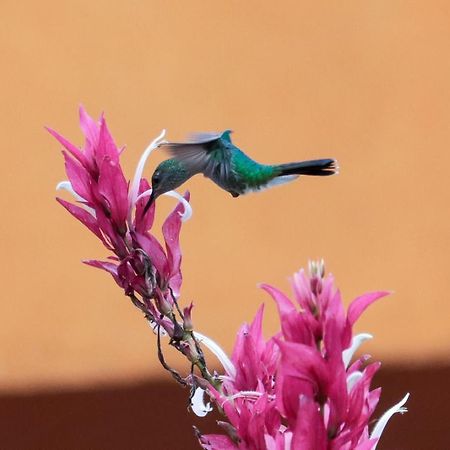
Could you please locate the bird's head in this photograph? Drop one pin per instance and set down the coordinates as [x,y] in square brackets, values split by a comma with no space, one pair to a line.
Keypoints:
[168,176]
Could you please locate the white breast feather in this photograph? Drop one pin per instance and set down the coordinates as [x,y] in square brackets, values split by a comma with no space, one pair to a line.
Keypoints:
[274,182]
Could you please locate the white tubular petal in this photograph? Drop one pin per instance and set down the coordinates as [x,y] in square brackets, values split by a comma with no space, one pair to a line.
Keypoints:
[246,394]
[198,403]
[67,186]
[144,194]
[154,327]
[379,427]
[357,340]
[132,195]
[187,206]
[220,354]
[352,379]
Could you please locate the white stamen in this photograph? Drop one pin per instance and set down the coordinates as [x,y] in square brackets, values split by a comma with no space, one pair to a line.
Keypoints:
[379,427]
[316,268]
[144,194]
[352,379]
[198,403]
[132,195]
[246,394]
[187,214]
[154,326]
[187,206]
[357,340]
[220,354]
[67,186]
[274,182]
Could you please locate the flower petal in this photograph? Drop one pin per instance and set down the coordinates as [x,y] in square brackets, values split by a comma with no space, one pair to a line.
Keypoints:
[352,379]
[357,340]
[84,217]
[88,125]
[309,432]
[106,148]
[216,442]
[285,306]
[72,149]
[187,214]
[113,186]
[154,250]
[79,177]
[140,168]
[220,354]
[67,186]
[198,405]
[107,266]
[144,222]
[379,427]
[367,445]
[360,303]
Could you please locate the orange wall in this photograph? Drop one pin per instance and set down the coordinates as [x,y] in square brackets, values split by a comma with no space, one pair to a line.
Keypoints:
[366,82]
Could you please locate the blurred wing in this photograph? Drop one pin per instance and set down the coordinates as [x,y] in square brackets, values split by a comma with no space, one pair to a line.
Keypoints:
[203,152]
[203,137]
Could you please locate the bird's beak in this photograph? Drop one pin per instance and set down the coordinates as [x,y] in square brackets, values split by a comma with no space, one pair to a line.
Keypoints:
[151,199]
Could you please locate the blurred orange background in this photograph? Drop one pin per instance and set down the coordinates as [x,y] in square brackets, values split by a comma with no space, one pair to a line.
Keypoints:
[365,82]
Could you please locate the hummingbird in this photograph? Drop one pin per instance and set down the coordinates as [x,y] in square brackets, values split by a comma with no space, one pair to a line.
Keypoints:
[217,158]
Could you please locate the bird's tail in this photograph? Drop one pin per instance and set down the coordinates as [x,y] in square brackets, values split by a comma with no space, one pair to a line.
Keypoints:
[316,167]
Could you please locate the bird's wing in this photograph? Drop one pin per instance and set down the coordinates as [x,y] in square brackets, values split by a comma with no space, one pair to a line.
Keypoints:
[203,137]
[203,152]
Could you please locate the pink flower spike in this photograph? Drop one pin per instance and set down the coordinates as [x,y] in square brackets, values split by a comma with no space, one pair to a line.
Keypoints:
[309,361]
[97,181]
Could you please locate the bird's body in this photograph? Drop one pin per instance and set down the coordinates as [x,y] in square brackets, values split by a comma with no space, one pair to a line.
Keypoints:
[217,158]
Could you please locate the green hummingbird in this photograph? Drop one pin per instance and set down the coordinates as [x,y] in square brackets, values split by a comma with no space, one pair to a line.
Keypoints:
[217,158]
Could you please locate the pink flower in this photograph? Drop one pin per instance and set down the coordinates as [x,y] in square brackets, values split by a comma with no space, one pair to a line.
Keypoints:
[114,212]
[297,389]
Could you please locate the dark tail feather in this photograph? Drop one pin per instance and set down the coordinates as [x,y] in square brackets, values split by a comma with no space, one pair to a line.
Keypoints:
[316,167]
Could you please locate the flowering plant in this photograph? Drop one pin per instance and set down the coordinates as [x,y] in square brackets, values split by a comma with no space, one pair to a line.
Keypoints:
[297,389]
